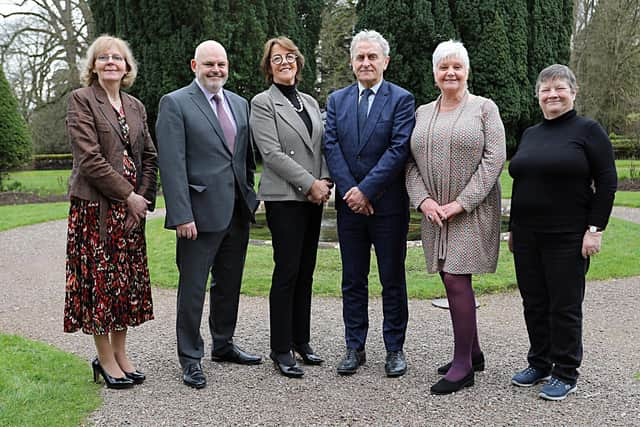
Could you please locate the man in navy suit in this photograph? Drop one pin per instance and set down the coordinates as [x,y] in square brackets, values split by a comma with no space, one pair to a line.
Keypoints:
[368,128]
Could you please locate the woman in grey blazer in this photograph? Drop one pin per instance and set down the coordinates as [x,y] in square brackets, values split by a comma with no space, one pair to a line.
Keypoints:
[287,128]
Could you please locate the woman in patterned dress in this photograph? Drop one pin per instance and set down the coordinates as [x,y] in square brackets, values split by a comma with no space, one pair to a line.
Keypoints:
[112,185]
[458,151]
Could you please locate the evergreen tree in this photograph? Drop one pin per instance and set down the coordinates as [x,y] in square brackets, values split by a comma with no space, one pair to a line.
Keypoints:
[162,37]
[409,28]
[15,140]
[338,21]
[309,16]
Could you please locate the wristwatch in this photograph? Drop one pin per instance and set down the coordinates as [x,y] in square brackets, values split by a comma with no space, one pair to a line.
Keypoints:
[593,229]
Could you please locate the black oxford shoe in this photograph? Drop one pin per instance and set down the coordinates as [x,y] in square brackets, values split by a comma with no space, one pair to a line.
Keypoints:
[447,387]
[193,376]
[235,355]
[396,364]
[351,361]
[477,363]
[308,355]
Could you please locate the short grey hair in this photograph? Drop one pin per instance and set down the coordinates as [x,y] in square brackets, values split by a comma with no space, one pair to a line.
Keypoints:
[369,36]
[555,72]
[450,49]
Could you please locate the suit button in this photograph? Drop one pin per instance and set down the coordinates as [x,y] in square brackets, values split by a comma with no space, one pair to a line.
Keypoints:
[292,152]
[357,157]
[299,188]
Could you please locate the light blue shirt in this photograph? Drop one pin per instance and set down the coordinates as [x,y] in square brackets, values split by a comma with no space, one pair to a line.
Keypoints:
[374,91]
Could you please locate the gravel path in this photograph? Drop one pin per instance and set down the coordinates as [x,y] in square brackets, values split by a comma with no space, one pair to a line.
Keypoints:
[31,305]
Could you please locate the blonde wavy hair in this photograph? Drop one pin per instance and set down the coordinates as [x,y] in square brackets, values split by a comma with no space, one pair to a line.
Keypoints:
[100,45]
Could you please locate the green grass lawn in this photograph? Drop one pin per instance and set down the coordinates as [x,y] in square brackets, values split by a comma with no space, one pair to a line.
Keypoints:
[12,216]
[41,182]
[619,258]
[43,386]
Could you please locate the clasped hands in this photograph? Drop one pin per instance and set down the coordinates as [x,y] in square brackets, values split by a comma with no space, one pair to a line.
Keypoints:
[436,213]
[136,211]
[358,202]
[320,191]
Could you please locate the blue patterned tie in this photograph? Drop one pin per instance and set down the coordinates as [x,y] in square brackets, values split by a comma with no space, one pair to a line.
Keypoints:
[363,110]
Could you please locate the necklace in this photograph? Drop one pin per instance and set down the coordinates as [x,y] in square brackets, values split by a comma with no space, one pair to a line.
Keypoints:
[297,110]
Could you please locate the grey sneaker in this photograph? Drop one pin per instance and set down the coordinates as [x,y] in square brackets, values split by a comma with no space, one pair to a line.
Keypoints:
[557,389]
[529,377]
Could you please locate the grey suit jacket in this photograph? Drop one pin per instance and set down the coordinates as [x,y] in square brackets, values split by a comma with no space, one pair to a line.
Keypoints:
[198,172]
[291,158]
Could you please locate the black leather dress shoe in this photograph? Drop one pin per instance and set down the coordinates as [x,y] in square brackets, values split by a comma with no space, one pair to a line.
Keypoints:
[477,363]
[396,364]
[308,355]
[136,376]
[286,364]
[193,376]
[352,359]
[447,387]
[235,355]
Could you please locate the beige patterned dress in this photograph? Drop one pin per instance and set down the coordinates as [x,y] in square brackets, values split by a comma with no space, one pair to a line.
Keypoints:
[458,155]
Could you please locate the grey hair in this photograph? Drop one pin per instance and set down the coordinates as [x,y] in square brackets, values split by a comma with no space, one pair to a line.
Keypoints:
[450,49]
[369,36]
[557,71]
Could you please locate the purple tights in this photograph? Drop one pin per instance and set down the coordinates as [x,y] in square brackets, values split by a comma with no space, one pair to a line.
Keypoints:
[462,307]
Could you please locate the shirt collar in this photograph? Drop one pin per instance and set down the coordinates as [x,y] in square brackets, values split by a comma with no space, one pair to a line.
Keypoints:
[206,93]
[374,89]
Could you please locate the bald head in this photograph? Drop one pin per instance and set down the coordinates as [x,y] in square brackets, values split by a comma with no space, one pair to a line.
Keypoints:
[209,47]
[210,65]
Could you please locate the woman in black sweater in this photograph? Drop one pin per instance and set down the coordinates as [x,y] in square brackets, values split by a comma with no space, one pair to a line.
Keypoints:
[564,182]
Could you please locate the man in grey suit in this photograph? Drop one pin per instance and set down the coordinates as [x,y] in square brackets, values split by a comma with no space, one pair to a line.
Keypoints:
[207,167]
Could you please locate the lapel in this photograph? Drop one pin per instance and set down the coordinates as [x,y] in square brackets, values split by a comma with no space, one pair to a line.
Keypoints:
[133,117]
[351,106]
[204,106]
[289,115]
[107,109]
[379,102]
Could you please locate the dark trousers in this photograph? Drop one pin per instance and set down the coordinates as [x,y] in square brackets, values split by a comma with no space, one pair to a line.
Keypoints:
[222,254]
[388,235]
[551,277]
[295,230]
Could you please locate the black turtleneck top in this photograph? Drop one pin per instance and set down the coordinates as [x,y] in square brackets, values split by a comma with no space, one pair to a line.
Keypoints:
[289,91]
[564,176]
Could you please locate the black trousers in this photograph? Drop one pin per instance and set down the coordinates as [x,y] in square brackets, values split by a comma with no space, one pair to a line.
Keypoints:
[221,254]
[551,277]
[295,230]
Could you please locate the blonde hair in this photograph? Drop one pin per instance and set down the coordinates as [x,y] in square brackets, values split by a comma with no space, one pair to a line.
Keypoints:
[101,44]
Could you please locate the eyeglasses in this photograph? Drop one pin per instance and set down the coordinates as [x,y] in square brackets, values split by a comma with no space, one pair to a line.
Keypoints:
[107,58]
[290,58]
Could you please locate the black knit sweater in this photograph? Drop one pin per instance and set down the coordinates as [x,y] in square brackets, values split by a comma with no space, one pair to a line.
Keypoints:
[564,176]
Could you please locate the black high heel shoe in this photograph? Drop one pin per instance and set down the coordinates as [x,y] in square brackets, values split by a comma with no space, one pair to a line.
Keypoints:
[308,355]
[285,367]
[111,382]
[136,376]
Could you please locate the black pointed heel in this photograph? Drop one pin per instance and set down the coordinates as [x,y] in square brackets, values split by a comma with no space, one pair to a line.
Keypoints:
[291,371]
[111,382]
[308,355]
[136,376]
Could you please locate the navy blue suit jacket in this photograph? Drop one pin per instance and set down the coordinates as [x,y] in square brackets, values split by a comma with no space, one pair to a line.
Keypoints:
[374,161]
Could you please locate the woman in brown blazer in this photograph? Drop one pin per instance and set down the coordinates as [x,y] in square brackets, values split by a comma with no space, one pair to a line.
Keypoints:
[112,185]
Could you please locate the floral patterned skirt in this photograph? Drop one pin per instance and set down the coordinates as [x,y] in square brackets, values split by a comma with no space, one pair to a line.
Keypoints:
[108,286]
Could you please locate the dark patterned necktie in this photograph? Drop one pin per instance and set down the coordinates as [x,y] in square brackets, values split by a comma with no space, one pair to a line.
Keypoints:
[363,110]
[225,122]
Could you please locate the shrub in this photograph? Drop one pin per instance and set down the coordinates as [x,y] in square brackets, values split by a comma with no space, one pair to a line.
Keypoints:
[15,140]
[624,147]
